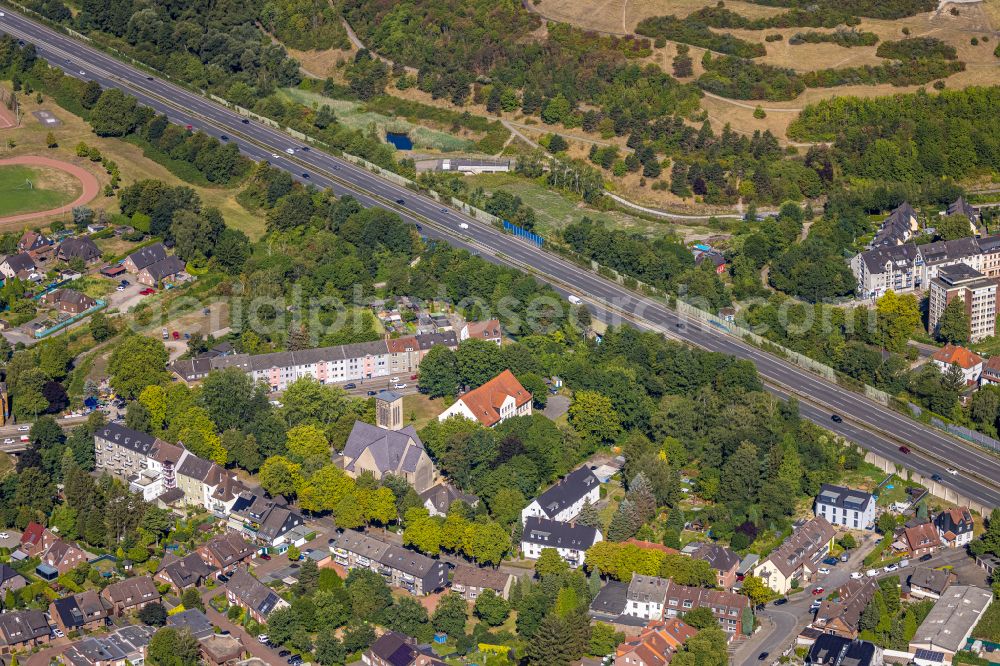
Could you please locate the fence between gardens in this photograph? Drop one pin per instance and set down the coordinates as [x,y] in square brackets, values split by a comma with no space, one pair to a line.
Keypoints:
[75,318]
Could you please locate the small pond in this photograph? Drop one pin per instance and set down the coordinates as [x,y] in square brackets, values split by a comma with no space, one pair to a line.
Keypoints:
[399,140]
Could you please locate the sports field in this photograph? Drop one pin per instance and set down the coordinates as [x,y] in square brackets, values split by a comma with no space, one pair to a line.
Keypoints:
[27,189]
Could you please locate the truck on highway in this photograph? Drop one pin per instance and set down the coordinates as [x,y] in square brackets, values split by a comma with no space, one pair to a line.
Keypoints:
[575,300]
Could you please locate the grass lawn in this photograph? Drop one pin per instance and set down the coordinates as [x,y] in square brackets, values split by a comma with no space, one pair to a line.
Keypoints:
[419,410]
[26,189]
[555,211]
[355,116]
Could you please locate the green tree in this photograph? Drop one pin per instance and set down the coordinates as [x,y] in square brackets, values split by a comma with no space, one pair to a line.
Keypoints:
[897,317]
[491,608]
[478,361]
[153,615]
[593,416]
[438,373]
[173,647]
[953,325]
[450,615]
[280,476]
[550,563]
[137,362]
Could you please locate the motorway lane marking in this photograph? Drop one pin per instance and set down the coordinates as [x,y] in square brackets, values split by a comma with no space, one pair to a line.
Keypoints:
[222,114]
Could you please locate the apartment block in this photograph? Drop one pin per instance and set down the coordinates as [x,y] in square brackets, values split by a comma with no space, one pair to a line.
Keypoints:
[978,292]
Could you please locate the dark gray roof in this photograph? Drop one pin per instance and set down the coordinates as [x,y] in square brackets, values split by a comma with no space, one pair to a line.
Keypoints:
[843,498]
[149,255]
[21,626]
[133,440]
[252,592]
[568,490]
[185,571]
[830,649]
[194,621]
[392,450]
[956,273]
[935,580]
[21,262]
[165,268]
[553,534]
[902,256]
[718,557]
[442,495]
[895,228]
[195,467]
[83,247]
[963,207]
[952,250]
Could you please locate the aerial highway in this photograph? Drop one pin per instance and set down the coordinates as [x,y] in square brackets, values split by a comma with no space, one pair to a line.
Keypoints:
[869,424]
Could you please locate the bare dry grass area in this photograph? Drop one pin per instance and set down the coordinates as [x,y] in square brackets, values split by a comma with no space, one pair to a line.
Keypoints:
[621,16]
[30,139]
[321,64]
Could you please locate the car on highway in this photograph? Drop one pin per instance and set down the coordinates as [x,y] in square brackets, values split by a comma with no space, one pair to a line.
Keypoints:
[818,590]
[824,570]
[9,440]
[891,567]
[350,386]
[836,418]
[904,449]
[762,656]
[952,471]
[23,428]
[856,575]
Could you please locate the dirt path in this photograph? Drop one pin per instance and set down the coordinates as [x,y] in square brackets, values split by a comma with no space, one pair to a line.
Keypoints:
[91,186]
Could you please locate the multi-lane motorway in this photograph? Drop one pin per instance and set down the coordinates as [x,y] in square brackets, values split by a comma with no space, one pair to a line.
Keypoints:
[869,424]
